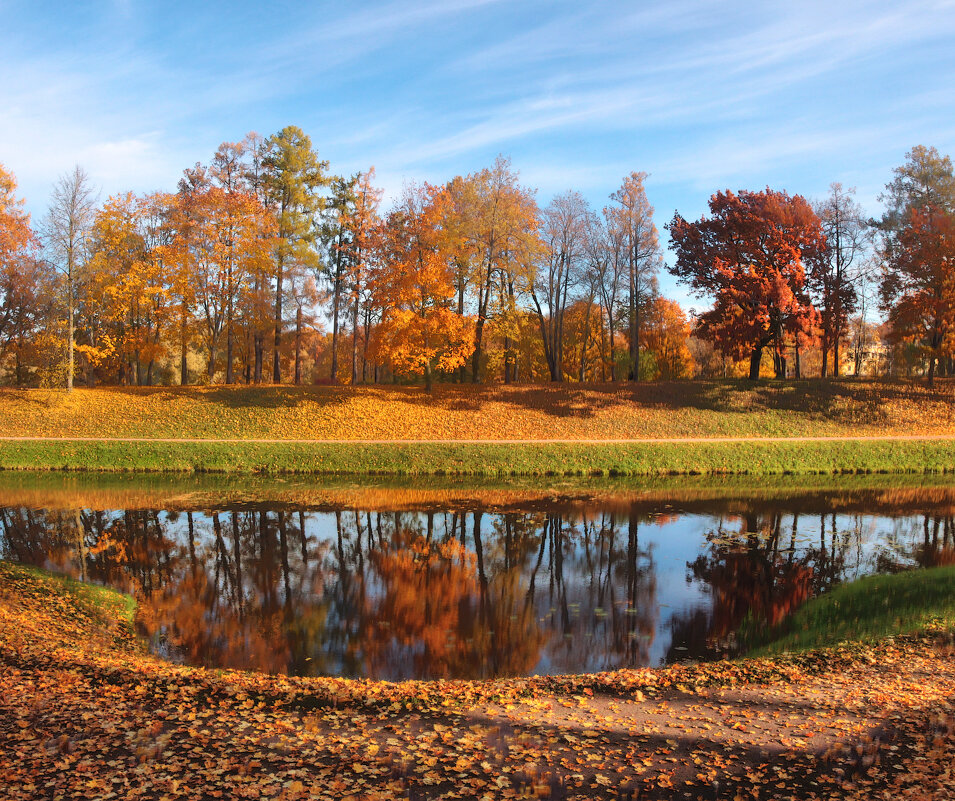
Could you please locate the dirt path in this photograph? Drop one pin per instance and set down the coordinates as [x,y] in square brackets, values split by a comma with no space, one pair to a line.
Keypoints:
[65,733]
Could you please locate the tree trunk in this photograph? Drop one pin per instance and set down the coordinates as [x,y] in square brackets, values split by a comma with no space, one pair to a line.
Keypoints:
[229,375]
[259,357]
[754,360]
[635,342]
[71,335]
[476,358]
[183,350]
[354,344]
[336,314]
[276,360]
[366,332]
[298,346]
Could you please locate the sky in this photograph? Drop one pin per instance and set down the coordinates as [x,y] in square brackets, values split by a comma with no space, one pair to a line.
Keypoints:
[701,95]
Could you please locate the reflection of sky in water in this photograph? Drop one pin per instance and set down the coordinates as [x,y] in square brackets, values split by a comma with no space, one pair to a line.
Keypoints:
[579,606]
[675,543]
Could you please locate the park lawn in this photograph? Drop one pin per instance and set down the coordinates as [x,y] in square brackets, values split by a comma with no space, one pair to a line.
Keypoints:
[85,712]
[731,408]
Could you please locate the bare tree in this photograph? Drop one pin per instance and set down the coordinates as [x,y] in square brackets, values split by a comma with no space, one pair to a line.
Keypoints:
[565,227]
[631,221]
[69,222]
[606,266]
[834,278]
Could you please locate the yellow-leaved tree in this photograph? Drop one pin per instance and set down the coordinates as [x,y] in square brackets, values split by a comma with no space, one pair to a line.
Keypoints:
[412,283]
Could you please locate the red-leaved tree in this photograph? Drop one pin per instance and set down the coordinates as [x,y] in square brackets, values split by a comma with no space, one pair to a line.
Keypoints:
[750,255]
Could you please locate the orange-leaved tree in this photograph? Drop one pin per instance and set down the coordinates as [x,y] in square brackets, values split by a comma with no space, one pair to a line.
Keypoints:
[16,235]
[230,240]
[412,283]
[121,291]
[16,243]
[492,233]
[751,255]
[666,338]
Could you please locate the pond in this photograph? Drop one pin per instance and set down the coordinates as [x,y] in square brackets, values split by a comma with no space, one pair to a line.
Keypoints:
[465,580]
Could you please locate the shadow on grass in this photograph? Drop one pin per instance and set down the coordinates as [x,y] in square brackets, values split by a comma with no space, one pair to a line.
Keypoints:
[846,401]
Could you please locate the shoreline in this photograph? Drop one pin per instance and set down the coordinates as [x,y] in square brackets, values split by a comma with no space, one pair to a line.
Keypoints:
[902,454]
[83,685]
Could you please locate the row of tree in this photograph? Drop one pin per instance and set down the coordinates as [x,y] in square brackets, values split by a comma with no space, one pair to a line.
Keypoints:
[263,266]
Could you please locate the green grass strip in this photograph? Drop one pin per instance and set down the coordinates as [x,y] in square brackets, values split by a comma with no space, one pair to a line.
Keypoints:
[765,457]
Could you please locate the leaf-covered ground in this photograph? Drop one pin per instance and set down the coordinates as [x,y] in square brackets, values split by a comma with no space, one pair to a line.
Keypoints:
[84,713]
[678,409]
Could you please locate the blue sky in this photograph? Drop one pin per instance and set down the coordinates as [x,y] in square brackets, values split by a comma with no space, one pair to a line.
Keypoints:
[701,95]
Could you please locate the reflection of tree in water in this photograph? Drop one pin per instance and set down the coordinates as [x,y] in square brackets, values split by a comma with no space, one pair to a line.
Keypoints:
[232,600]
[451,592]
[368,593]
[925,541]
[605,615]
[751,577]
[759,572]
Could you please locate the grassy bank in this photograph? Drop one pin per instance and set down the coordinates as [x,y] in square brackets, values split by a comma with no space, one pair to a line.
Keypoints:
[870,609]
[558,459]
[543,459]
[454,412]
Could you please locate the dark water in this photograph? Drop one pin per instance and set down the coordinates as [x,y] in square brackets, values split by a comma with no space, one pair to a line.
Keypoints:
[471,581]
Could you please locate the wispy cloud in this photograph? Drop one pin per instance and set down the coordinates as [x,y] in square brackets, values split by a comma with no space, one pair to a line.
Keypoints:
[702,94]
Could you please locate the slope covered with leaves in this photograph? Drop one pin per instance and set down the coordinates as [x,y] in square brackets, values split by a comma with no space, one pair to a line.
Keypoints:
[85,713]
[678,409]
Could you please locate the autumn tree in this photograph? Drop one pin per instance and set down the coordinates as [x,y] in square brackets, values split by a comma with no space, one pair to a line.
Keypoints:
[581,346]
[916,288]
[294,177]
[349,231]
[666,338]
[749,256]
[67,229]
[926,179]
[184,224]
[335,233]
[495,240]
[413,285]
[110,297]
[28,308]
[564,230]
[258,320]
[833,276]
[17,242]
[230,244]
[630,217]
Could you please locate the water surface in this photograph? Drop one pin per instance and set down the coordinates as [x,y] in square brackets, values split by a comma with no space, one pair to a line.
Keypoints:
[451,579]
